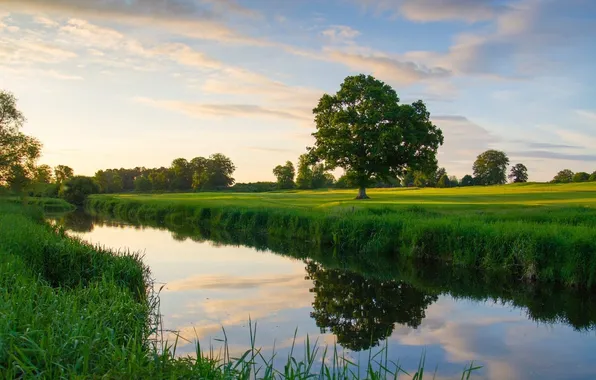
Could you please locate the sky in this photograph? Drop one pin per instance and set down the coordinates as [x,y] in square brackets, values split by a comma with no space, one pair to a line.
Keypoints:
[125,83]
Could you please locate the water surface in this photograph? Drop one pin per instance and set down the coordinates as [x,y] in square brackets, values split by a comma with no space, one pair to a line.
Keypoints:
[209,285]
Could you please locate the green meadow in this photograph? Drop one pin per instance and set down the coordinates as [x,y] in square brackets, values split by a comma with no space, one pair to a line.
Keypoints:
[537,232]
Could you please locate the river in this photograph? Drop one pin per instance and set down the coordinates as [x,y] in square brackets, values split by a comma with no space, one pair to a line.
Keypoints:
[209,286]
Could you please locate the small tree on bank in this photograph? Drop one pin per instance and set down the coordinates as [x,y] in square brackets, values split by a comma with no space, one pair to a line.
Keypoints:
[564,176]
[519,174]
[364,130]
[490,168]
[581,177]
[285,175]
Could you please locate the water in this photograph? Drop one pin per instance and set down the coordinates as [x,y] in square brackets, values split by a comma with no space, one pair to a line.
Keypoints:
[531,334]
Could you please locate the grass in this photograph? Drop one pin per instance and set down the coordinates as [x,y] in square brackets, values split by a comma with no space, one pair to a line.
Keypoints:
[69,310]
[538,232]
[49,205]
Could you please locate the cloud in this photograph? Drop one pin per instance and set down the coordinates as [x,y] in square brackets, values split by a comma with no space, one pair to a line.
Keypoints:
[387,68]
[200,110]
[340,33]
[45,22]
[464,140]
[226,282]
[270,150]
[522,40]
[546,154]
[438,10]
[542,145]
[201,20]
[589,115]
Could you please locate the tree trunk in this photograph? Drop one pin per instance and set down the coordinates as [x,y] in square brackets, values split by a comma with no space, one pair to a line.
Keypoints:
[362,193]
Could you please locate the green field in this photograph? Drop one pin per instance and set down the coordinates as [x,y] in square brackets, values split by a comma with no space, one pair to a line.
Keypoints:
[539,232]
[463,198]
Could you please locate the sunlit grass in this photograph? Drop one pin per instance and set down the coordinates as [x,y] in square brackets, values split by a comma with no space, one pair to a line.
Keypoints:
[541,232]
[69,310]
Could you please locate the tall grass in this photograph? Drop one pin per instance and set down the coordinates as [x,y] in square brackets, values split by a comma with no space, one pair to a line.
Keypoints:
[70,310]
[545,244]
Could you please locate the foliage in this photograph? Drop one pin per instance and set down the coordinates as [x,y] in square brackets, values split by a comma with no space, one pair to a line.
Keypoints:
[254,187]
[490,168]
[564,176]
[581,177]
[285,175]
[408,179]
[443,182]
[312,175]
[42,174]
[519,173]
[344,182]
[453,181]
[467,180]
[362,311]
[485,228]
[75,190]
[364,130]
[18,152]
[62,173]
[142,184]
[592,177]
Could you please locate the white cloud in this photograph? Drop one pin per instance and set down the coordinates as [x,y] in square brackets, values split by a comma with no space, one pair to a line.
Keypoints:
[588,115]
[437,10]
[204,110]
[340,33]
[49,23]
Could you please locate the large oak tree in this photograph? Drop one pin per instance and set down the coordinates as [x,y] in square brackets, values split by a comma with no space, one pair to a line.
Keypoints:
[366,131]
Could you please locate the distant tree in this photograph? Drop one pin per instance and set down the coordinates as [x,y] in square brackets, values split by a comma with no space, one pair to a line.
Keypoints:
[443,182]
[62,173]
[453,181]
[564,176]
[182,173]
[18,152]
[420,179]
[467,180]
[436,176]
[218,172]
[42,174]
[344,182]
[519,173]
[304,177]
[321,178]
[198,166]
[75,190]
[142,184]
[490,168]
[592,177]
[109,181]
[581,177]
[159,179]
[285,175]
[18,180]
[408,179]
[364,130]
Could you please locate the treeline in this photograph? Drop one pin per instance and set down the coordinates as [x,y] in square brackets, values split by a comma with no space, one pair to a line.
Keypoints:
[199,173]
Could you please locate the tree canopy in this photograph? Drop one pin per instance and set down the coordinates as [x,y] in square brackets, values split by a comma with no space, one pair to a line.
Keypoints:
[564,176]
[18,152]
[285,175]
[519,173]
[364,130]
[581,177]
[490,168]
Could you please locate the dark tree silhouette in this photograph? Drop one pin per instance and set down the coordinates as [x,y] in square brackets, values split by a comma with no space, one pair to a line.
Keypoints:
[360,311]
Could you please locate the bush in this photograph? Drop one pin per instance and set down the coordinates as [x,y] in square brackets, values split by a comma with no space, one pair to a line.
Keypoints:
[75,190]
[581,177]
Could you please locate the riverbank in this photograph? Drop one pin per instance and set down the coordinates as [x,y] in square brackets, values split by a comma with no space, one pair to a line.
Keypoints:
[533,232]
[72,310]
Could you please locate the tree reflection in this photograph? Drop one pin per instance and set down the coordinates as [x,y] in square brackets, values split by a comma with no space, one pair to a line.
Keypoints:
[360,311]
[76,221]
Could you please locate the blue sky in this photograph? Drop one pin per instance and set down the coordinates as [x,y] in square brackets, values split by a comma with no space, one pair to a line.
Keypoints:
[138,83]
